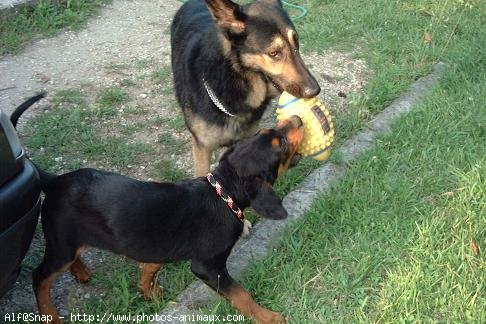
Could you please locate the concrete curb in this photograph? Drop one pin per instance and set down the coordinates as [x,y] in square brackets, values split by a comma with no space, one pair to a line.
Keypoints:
[299,201]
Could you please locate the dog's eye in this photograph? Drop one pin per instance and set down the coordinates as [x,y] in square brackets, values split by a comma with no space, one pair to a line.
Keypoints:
[275,54]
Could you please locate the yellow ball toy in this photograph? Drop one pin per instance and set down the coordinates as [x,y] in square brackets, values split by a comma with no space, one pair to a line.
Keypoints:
[318,126]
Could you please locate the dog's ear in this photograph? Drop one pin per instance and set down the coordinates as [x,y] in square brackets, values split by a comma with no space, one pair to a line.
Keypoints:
[227,15]
[264,200]
[272,2]
[248,161]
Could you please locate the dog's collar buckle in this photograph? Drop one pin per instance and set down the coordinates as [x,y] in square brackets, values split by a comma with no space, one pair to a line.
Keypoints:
[225,197]
[215,99]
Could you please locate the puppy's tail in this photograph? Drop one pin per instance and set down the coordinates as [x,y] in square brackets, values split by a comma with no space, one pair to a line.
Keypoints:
[45,177]
[14,118]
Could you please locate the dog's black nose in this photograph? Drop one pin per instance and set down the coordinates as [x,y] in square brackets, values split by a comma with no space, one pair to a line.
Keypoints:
[312,91]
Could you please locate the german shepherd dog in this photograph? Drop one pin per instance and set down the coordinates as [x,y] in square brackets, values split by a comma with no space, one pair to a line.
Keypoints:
[228,62]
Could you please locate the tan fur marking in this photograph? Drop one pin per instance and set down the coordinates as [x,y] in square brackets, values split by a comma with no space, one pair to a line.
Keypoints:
[263,62]
[213,136]
[275,142]
[225,44]
[223,15]
[246,228]
[290,72]
[294,137]
[257,92]
[77,267]
[43,297]
[277,42]
[80,271]
[285,67]
[283,123]
[291,38]
[242,301]
[147,284]
[210,137]
[202,158]
[238,26]
[43,292]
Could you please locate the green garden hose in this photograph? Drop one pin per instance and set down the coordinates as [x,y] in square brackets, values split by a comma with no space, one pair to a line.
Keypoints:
[303,11]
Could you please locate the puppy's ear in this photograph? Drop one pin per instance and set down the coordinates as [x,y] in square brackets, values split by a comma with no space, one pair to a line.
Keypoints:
[264,200]
[227,15]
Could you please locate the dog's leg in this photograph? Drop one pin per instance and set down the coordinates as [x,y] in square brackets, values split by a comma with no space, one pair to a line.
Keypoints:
[202,158]
[241,299]
[42,290]
[79,270]
[147,284]
[45,274]
[218,278]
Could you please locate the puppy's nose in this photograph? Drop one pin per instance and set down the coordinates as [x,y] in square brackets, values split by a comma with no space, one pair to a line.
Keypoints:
[312,90]
[296,121]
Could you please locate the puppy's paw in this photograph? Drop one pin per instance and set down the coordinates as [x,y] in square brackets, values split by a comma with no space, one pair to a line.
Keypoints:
[154,292]
[246,228]
[157,291]
[80,271]
[270,317]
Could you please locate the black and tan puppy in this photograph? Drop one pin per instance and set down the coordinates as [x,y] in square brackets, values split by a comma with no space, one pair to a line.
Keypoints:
[228,63]
[155,223]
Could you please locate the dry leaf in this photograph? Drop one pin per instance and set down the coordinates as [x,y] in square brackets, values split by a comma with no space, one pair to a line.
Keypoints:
[427,38]
[474,248]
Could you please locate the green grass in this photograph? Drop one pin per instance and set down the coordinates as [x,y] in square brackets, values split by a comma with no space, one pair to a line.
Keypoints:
[163,78]
[162,75]
[127,83]
[68,132]
[112,97]
[175,123]
[171,144]
[123,284]
[391,241]
[45,18]
[144,63]
[165,169]
[389,35]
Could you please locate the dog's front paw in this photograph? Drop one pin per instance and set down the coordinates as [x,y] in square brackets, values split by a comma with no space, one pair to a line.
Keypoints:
[157,291]
[154,292]
[270,317]
[246,228]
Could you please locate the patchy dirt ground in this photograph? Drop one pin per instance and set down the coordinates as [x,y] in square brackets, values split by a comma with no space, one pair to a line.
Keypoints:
[127,47]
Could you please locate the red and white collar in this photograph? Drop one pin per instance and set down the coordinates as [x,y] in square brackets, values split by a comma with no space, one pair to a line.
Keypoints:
[225,197]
